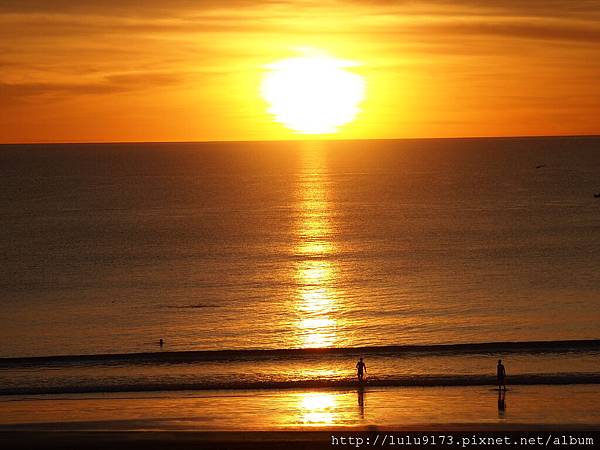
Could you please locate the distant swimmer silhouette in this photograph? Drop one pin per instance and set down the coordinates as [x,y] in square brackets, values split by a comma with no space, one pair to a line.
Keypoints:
[501,373]
[361,369]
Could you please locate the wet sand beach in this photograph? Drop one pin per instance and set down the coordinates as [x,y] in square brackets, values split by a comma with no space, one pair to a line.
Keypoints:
[296,418]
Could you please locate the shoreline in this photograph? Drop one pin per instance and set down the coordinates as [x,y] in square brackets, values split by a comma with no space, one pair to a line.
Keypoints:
[347,383]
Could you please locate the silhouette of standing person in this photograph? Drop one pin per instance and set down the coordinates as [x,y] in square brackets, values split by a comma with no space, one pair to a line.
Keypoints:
[161,342]
[501,374]
[361,369]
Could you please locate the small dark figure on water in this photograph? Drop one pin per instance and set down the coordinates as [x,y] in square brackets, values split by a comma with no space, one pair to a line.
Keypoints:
[361,369]
[161,343]
[501,373]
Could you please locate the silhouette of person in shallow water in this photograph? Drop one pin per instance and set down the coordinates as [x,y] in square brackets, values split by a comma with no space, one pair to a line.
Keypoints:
[501,374]
[361,369]
[501,403]
[161,342]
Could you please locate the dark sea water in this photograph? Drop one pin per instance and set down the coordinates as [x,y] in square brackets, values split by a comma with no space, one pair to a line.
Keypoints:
[285,245]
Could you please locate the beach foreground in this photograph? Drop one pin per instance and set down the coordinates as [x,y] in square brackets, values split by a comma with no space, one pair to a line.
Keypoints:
[459,436]
[298,418]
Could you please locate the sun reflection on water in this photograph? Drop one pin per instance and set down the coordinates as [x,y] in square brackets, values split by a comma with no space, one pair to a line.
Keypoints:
[315,248]
[314,300]
[316,303]
[318,408]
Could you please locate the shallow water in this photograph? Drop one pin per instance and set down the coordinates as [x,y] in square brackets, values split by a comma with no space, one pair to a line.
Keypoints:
[552,363]
[306,409]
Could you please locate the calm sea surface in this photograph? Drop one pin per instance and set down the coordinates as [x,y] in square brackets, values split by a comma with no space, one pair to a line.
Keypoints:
[107,248]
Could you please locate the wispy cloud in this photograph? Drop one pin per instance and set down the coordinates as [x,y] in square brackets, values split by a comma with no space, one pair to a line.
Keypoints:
[118,83]
[110,84]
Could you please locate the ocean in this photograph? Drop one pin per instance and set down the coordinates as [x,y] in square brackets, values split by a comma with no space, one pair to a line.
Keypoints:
[416,254]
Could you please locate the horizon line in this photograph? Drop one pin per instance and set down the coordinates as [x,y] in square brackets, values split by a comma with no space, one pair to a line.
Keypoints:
[532,136]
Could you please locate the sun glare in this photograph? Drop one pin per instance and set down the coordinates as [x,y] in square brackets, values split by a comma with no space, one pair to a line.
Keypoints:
[313,94]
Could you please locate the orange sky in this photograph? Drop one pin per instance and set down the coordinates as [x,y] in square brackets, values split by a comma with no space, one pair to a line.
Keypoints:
[178,70]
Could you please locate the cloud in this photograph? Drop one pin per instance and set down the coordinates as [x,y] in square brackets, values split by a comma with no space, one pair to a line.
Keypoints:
[152,19]
[543,31]
[11,93]
[164,8]
[18,91]
[115,7]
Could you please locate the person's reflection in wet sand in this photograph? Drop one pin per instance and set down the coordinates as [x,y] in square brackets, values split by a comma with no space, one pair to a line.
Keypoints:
[501,403]
[361,401]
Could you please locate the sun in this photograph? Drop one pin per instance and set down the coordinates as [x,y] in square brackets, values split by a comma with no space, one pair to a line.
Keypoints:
[313,94]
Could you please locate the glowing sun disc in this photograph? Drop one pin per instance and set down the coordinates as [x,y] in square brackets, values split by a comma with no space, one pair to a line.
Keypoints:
[313,94]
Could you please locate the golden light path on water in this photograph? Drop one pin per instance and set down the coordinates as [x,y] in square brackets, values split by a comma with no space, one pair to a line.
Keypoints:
[316,302]
[328,408]
[318,408]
